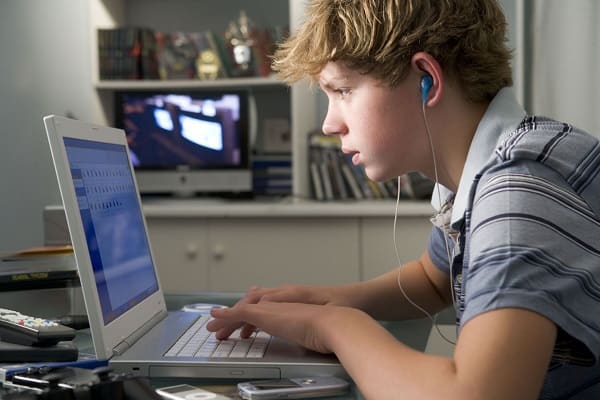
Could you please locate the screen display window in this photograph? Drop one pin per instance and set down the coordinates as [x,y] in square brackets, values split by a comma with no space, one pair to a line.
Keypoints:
[198,130]
[113,224]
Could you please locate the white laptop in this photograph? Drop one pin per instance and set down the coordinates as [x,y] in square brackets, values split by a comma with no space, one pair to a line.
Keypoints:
[129,322]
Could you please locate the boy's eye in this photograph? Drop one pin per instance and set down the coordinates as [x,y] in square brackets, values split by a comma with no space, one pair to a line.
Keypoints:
[343,91]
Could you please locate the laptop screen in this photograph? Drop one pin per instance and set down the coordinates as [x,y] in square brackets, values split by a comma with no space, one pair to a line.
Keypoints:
[113,223]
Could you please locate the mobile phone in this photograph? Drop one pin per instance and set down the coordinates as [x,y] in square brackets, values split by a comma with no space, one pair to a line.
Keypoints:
[295,388]
[188,392]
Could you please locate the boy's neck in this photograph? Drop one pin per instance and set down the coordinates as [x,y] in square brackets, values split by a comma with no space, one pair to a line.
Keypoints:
[453,129]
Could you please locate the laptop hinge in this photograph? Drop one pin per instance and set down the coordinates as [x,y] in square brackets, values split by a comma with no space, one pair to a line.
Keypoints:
[138,333]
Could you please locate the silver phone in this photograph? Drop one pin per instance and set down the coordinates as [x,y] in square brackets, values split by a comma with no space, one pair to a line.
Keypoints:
[295,388]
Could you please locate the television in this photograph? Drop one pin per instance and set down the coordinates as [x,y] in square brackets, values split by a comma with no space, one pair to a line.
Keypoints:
[187,142]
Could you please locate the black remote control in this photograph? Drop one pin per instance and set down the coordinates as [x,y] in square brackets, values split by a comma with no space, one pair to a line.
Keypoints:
[31,331]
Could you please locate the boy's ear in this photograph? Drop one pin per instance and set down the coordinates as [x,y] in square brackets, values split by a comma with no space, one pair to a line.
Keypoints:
[431,81]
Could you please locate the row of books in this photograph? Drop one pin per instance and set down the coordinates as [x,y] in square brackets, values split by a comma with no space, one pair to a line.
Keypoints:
[142,53]
[333,176]
[127,53]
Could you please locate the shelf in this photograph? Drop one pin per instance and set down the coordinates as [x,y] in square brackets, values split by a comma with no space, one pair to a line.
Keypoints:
[221,208]
[187,83]
[215,208]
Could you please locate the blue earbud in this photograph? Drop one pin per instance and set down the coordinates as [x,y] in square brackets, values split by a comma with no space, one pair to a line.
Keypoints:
[426,83]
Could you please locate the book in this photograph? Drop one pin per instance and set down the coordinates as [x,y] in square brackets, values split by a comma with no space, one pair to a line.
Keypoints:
[320,173]
[341,192]
[421,186]
[38,280]
[317,184]
[148,62]
[325,177]
[392,187]
[351,181]
[361,177]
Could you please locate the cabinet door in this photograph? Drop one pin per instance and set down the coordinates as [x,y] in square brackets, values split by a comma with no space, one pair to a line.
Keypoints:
[378,255]
[275,251]
[180,252]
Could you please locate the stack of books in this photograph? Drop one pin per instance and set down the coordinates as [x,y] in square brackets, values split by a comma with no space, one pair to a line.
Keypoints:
[272,174]
[38,268]
[127,53]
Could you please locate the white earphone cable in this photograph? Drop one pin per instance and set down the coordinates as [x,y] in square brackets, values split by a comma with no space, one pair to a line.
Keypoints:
[432,318]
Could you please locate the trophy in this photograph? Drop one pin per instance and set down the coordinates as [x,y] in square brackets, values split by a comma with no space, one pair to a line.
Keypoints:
[240,41]
[208,63]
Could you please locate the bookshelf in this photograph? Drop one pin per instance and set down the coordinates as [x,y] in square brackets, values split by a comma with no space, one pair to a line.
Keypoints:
[273,99]
[204,243]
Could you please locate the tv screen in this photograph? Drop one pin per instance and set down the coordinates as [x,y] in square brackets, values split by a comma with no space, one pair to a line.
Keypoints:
[187,141]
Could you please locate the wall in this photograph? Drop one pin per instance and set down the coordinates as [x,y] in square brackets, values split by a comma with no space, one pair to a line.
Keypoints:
[565,60]
[45,70]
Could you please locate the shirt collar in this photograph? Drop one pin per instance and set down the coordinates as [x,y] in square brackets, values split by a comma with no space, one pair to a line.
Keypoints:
[503,116]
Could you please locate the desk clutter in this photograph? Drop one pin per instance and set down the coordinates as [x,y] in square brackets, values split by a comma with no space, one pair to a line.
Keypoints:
[24,338]
[72,383]
[38,268]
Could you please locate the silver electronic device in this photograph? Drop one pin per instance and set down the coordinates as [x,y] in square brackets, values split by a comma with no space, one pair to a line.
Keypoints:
[125,304]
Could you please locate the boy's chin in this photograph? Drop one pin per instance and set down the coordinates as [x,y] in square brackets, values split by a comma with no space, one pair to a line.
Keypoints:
[379,176]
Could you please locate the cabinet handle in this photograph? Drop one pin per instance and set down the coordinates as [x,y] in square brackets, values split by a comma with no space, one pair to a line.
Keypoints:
[218,252]
[191,251]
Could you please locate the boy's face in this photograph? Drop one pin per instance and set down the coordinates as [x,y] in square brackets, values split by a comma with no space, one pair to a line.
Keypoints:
[381,127]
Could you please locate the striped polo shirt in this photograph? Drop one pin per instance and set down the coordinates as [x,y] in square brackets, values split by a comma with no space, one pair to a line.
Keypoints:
[525,231]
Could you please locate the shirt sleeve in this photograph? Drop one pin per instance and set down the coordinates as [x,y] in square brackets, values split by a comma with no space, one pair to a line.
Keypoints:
[534,244]
[436,248]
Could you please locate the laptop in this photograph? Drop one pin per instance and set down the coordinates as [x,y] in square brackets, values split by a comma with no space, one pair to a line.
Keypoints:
[129,322]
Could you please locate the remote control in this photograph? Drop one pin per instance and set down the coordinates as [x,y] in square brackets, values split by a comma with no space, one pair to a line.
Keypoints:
[31,331]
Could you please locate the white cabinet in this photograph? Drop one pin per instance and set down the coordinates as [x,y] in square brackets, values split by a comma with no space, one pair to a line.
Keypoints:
[234,254]
[376,237]
[230,247]
[180,250]
[268,252]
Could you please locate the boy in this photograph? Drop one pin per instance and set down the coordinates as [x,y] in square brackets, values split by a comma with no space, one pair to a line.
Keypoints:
[423,85]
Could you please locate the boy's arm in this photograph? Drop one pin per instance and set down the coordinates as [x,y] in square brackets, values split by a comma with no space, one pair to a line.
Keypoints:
[501,354]
[381,297]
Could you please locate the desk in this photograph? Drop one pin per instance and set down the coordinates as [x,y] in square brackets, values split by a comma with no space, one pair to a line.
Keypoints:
[412,333]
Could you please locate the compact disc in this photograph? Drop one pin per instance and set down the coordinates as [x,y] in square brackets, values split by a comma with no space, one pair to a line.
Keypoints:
[201,307]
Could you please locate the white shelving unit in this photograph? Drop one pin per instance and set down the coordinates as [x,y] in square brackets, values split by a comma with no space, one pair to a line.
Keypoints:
[271,94]
[220,245]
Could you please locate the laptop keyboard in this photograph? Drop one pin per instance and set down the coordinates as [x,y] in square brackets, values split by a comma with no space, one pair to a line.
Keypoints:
[199,342]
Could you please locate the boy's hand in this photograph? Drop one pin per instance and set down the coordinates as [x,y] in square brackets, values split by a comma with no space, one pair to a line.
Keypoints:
[309,325]
[283,294]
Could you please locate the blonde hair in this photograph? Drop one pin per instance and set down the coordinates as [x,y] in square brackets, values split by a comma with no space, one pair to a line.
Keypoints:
[379,37]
